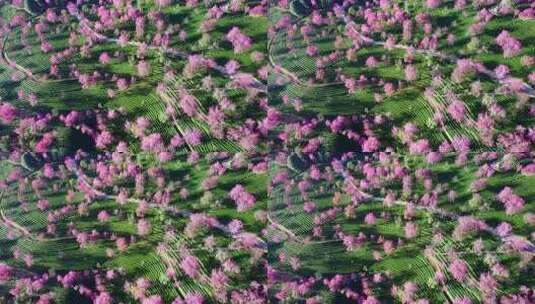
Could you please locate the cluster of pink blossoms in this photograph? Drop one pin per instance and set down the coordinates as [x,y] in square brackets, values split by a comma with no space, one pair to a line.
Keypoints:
[513,203]
[510,45]
[240,41]
[458,269]
[7,112]
[244,200]
[5,272]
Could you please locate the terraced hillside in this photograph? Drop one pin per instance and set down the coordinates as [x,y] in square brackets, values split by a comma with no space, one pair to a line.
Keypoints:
[117,167]
[402,176]
[289,151]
